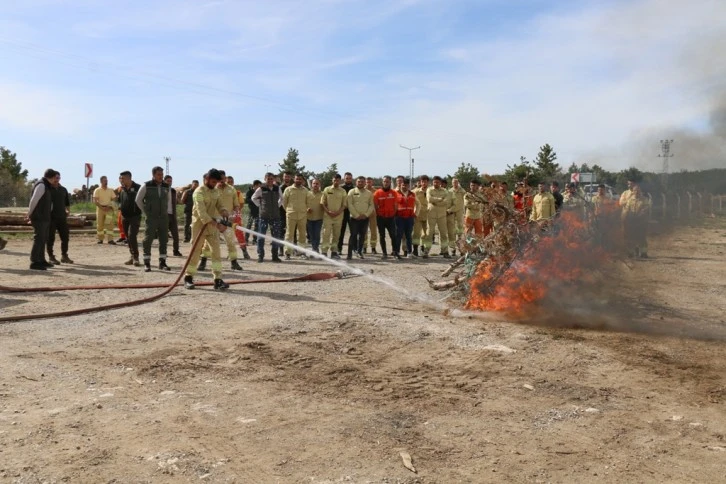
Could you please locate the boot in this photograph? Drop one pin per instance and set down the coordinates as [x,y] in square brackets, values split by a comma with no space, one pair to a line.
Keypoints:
[163,266]
[53,260]
[136,262]
[276,258]
[189,282]
[415,250]
[245,254]
[220,285]
[129,262]
[373,250]
[424,253]
[3,243]
[445,254]
[65,259]
[178,254]
[202,264]
[235,266]
[147,266]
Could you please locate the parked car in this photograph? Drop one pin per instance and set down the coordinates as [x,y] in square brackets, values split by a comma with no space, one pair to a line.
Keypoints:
[591,190]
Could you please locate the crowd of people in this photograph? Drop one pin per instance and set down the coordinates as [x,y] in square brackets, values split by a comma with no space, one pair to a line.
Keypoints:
[402,220]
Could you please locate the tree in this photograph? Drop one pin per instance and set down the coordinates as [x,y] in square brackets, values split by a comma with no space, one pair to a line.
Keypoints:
[291,163]
[11,167]
[632,174]
[573,168]
[521,171]
[466,173]
[326,177]
[545,162]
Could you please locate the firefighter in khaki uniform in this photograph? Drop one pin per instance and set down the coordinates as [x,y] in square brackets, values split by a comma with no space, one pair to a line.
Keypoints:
[104,197]
[626,194]
[372,236]
[315,214]
[295,202]
[207,203]
[543,205]
[334,202]
[229,201]
[439,201]
[635,223]
[360,206]
[421,224]
[455,214]
[474,203]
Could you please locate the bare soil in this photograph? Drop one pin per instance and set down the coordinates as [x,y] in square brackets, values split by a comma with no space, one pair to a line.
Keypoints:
[331,381]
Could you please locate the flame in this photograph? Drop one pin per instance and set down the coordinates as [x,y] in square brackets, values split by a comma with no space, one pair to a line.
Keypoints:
[518,282]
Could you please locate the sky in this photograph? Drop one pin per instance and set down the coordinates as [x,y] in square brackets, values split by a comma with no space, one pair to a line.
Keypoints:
[233,84]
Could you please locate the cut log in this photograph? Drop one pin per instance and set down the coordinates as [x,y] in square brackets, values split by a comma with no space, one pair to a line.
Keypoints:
[8,219]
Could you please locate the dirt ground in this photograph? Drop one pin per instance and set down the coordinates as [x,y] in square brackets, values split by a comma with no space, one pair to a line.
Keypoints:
[331,381]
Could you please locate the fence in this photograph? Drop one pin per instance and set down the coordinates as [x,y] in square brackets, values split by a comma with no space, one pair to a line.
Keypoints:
[681,206]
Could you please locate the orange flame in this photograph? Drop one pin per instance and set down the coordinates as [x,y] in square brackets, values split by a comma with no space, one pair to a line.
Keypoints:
[516,284]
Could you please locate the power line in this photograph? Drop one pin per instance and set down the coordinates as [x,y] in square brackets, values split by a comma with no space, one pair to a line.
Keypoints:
[410,161]
[665,153]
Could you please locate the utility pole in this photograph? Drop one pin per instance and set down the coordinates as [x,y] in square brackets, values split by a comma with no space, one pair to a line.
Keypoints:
[410,161]
[167,159]
[665,153]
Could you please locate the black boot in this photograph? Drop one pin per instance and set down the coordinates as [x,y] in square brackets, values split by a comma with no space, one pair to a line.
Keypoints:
[189,282]
[235,266]
[245,254]
[147,266]
[163,266]
[220,285]
[202,264]
[53,260]
[415,250]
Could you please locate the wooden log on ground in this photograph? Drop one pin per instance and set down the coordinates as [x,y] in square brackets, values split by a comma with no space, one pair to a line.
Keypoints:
[8,219]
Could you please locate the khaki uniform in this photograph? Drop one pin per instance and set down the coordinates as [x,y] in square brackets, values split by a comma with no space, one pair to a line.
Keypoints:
[543,207]
[573,203]
[372,236]
[421,225]
[207,204]
[635,224]
[439,201]
[625,196]
[316,209]
[455,218]
[360,202]
[474,203]
[105,219]
[334,199]
[229,201]
[295,202]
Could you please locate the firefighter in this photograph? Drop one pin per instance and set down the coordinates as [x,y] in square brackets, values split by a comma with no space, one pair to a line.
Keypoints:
[627,193]
[333,200]
[207,203]
[455,214]
[439,201]
[104,197]
[420,225]
[635,223]
[154,199]
[295,201]
[229,201]
[474,204]
[315,214]
[543,205]
[372,235]
[360,206]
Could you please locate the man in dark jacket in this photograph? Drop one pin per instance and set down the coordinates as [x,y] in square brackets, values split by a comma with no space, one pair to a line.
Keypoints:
[60,208]
[39,216]
[347,186]
[269,201]
[130,215]
[173,222]
[154,199]
[188,201]
[253,219]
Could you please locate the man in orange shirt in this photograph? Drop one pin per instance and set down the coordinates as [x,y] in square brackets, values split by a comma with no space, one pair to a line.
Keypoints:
[385,201]
[405,215]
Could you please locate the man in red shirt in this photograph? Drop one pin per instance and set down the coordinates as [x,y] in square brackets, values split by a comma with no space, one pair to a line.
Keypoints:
[386,204]
[405,216]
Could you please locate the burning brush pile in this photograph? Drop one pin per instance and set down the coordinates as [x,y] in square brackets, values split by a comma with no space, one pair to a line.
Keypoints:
[521,268]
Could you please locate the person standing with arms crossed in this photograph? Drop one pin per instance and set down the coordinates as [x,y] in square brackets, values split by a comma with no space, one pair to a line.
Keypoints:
[154,199]
[39,216]
[61,203]
[334,203]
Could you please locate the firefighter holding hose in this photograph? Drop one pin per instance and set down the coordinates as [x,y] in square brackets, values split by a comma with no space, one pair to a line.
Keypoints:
[207,203]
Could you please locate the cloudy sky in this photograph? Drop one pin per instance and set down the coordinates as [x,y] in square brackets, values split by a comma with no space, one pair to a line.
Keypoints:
[233,83]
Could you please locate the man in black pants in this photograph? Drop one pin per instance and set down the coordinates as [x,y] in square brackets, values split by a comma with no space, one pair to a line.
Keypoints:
[130,215]
[347,186]
[39,216]
[173,222]
[188,201]
[253,219]
[60,208]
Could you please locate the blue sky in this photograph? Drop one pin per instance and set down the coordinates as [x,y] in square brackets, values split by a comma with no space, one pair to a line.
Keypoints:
[233,84]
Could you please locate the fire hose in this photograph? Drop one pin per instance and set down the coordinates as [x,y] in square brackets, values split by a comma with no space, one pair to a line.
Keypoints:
[320,276]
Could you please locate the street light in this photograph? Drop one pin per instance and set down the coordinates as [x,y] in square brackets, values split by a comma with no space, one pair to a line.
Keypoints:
[410,161]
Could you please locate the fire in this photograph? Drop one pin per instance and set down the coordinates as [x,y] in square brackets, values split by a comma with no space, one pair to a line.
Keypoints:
[549,263]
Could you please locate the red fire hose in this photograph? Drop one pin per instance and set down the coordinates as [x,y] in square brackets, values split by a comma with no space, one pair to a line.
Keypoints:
[320,276]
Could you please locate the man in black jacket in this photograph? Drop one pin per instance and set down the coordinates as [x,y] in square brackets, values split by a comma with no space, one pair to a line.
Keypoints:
[39,216]
[188,201]
[173,222]
[253,219]
[130,215]
[60,208]
[347,186]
